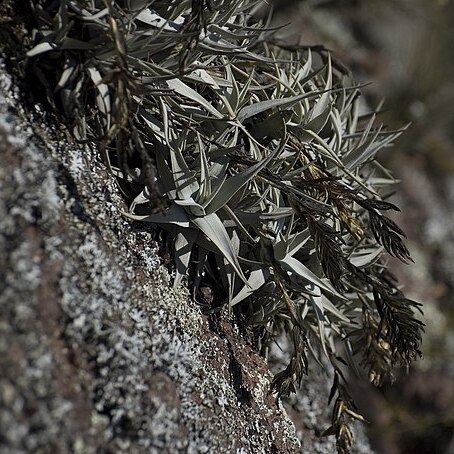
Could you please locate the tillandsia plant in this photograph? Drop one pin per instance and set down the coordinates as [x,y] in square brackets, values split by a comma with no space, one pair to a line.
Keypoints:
[253,161]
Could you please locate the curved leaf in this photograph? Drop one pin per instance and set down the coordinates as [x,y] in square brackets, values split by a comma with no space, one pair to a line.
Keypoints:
[214,230]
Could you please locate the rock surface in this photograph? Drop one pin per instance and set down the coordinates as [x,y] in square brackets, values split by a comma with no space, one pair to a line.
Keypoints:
[97,352]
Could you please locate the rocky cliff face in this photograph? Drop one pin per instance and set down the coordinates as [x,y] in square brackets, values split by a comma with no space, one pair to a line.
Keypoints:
[97,352]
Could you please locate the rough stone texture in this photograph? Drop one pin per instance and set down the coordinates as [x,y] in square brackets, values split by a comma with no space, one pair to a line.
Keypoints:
[97,352]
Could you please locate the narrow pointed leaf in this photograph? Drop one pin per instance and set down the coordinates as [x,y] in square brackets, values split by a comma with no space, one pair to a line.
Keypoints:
[183,248]
[256,279]
[259,107]
[174,215]
[184,90]
[233,184]
[214,230]
[301,271]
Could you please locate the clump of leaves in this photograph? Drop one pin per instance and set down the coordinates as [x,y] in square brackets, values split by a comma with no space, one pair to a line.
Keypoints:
[257,162]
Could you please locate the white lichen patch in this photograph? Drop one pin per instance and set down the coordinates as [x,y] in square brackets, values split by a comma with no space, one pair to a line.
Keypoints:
[175,302]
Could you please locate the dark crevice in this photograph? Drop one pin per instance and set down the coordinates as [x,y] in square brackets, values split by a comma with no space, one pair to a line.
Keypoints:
[236,374]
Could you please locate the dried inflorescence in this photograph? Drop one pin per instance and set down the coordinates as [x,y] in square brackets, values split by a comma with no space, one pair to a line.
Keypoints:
[253,160]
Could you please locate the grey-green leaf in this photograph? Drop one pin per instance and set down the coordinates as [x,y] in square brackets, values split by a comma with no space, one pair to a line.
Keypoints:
[213,228]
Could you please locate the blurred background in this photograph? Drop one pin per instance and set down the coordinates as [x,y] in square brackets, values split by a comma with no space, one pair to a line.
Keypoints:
[405,50]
